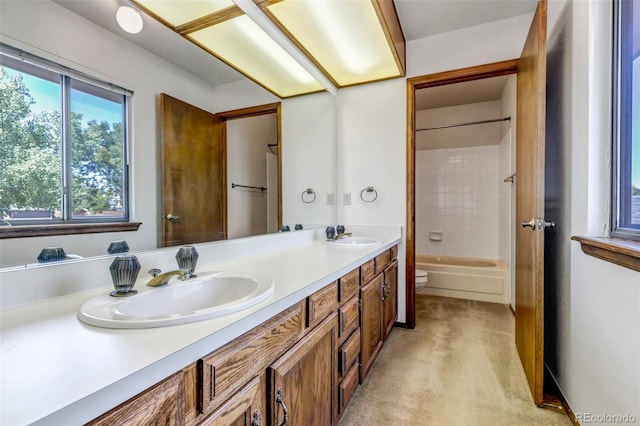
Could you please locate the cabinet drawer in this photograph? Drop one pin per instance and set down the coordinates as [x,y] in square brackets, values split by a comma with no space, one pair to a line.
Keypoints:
[367,271]
[349,285]
[382,260]
[349,318]
[163,404]
[347,387]
[322,303]
[349,353]
[233,365]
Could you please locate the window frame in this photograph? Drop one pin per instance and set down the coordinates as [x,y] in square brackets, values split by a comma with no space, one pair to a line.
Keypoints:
[622,75]
[69,224]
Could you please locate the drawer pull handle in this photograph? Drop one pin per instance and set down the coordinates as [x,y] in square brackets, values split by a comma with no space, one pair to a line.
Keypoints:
[280,400]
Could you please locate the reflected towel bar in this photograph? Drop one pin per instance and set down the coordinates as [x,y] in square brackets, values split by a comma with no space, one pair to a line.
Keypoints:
[261,188]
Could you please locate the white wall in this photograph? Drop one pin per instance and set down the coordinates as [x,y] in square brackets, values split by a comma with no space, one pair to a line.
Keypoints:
[48,30]
[247,140]
[308,158]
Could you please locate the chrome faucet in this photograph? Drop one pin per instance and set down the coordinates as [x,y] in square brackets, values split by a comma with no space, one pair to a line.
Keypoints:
[343,235]
[163,278]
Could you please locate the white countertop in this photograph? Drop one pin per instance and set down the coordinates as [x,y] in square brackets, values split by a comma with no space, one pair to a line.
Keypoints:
[58,370]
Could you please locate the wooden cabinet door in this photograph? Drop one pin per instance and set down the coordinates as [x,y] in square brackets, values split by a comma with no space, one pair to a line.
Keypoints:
[244,408]
[371,323]
[390,294]
[302,382]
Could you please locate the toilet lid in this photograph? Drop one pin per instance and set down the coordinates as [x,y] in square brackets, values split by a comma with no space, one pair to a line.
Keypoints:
[421,273]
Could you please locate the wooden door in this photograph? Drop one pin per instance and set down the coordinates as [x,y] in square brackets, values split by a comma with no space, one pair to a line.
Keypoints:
[390,293]
[531,95]
[371,324]
[193,174]
[302,382]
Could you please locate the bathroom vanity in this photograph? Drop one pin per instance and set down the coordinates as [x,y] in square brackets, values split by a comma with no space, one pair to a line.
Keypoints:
[298,356]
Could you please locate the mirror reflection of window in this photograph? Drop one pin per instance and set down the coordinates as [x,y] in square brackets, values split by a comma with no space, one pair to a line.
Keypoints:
[62,145]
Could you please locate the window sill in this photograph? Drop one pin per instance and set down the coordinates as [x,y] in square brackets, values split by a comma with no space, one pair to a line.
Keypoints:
[24,231]
[615,250]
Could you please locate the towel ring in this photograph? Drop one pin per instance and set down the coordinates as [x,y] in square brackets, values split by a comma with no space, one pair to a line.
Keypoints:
[369,189]
[308,200]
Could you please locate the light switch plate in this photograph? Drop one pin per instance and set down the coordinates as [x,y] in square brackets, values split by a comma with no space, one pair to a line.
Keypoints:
[346,198]
[331,199]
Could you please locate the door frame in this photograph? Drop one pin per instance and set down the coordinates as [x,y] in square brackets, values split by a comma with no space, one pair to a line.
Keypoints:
[273,108]
[460,75]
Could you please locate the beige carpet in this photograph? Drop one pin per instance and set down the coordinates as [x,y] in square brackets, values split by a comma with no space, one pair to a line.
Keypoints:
[459,366]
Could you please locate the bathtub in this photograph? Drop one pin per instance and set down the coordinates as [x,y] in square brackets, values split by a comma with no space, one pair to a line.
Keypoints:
[465,278]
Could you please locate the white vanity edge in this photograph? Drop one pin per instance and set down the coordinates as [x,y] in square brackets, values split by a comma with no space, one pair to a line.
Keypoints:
[56,370]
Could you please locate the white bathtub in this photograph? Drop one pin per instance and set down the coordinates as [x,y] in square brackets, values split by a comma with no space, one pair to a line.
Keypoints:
[465,278]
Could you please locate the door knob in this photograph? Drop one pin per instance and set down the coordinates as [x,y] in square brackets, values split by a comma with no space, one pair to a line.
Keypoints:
[531,224]
[538,224]
[171,217]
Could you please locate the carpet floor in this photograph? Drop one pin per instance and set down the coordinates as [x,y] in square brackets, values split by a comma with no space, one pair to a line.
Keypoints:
[459,366]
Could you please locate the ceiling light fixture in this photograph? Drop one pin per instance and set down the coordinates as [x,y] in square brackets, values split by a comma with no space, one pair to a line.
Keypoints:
[129,19]
[352,42]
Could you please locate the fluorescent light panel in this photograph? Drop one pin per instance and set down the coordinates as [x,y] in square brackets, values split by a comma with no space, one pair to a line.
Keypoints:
[344,37]
[244,45]
[179,12]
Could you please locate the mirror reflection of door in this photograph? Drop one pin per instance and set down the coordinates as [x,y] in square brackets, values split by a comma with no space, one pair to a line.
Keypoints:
[220,172]
[193,174]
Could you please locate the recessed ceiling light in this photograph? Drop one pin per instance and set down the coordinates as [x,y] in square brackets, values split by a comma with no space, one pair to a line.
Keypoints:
[129,19]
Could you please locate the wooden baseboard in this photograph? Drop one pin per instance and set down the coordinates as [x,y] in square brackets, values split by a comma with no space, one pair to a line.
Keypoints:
[556,400]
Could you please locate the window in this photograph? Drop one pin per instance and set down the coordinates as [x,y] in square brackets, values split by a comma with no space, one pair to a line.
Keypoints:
[626,178]
[63,140]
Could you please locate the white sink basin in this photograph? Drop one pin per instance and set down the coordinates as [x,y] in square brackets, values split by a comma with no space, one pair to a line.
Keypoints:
[206,296]
[353,242]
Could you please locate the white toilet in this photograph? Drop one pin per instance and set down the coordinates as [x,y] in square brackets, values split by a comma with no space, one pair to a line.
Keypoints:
[421,279]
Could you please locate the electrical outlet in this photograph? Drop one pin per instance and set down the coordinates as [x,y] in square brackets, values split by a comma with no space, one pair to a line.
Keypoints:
[346,198]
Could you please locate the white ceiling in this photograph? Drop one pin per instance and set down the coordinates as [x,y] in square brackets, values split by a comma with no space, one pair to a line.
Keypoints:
[423,18]
[419,18]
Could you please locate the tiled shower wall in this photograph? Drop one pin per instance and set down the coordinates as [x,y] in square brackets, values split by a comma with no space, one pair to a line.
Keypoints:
[457,195]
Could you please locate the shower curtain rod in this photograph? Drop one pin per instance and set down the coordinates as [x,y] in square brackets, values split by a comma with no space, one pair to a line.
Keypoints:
[466,124]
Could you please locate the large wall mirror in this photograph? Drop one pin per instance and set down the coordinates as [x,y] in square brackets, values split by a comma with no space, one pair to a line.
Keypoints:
[83,36]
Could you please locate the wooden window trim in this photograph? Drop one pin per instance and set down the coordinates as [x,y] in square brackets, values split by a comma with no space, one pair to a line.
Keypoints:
[615,250]
[24,231]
